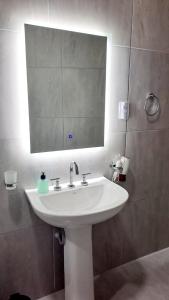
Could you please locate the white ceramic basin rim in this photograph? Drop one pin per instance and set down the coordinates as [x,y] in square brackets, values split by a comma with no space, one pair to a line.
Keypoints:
[100,200]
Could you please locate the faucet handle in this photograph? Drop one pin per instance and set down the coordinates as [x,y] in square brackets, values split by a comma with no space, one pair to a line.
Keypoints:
[57,186]
[84,181]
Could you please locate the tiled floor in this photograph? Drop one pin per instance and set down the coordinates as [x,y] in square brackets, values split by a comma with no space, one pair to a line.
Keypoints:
[56,296]
[144,279]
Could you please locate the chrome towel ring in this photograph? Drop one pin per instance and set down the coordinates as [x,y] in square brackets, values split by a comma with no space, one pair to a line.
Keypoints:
[152,105]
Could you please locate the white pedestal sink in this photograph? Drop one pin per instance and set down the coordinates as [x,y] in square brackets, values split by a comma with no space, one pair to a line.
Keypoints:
[76,210]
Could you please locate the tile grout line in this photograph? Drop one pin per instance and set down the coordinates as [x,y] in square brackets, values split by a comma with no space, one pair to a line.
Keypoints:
[129,70]
[147,130]
[151,50]
[9,30]
[22,228]
[67,67]
[54,271]
[114,131]
[48,12]
[63,118]
[68,117]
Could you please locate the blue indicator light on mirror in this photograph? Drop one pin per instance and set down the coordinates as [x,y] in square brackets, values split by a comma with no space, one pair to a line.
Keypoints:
[70,136]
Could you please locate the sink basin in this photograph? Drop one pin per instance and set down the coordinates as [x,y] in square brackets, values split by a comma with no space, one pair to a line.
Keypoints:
[98,201]
[76,210]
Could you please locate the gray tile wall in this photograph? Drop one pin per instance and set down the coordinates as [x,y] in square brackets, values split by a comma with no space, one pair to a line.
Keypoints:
[30,259]
[27,245]
[147,141]
[141,227]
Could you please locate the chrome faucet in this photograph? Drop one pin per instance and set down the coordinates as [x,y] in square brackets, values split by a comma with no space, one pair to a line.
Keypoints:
[73,164]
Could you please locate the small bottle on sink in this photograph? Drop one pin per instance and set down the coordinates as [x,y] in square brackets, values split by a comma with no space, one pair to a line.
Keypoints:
[43,184]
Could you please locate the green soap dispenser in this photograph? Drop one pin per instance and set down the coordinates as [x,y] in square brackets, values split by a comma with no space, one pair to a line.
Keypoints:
[43,185]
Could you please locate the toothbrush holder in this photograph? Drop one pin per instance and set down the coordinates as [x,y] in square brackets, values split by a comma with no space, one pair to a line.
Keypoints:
[10,178]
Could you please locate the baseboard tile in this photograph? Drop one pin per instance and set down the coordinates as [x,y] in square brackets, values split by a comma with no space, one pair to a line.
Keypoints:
[55,296]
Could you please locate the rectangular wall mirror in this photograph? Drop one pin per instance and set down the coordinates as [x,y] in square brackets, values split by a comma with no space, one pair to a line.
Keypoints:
[66,74]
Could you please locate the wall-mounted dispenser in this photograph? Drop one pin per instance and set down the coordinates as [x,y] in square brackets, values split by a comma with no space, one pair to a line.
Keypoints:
[123,110]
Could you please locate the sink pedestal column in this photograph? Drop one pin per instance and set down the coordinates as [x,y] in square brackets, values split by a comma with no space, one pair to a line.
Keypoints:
[78,264]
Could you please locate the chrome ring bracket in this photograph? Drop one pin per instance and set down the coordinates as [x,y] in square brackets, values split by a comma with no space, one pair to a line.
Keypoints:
[152,105]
